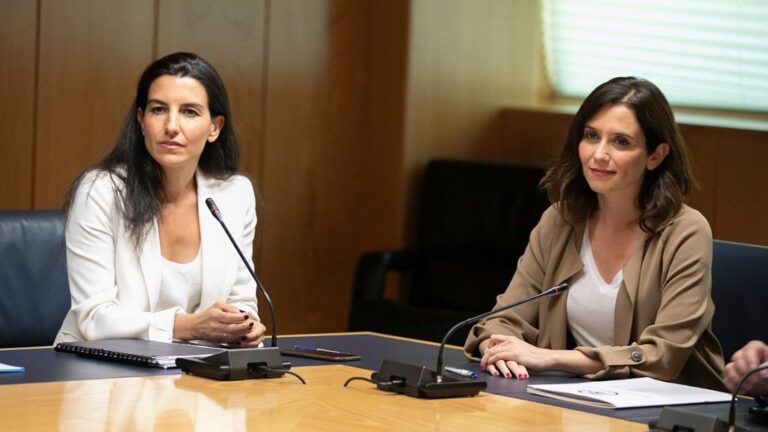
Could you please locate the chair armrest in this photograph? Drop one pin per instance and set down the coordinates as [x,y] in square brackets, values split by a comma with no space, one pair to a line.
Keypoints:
[372,269]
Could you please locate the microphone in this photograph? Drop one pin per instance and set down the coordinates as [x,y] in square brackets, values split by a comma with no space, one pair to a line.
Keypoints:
[244,363]
[418,381]
[678,419]
[217,214]
[759,410]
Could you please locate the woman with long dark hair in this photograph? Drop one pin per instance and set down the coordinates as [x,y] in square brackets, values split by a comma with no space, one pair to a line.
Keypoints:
[637,259]
[145,258]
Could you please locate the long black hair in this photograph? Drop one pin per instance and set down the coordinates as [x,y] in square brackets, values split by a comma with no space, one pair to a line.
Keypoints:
[141,193]
[663,189]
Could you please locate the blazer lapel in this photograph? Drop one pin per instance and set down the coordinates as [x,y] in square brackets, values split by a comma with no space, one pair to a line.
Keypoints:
[553,310]
[214,244]
[150,264]
[627,296]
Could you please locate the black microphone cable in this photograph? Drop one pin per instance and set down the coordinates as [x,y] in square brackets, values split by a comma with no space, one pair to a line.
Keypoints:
[732,411]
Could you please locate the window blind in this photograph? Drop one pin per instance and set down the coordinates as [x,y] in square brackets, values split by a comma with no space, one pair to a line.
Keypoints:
[700,53]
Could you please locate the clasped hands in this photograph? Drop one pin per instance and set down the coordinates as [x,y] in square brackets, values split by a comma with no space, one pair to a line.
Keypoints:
[511,356]
[222,322]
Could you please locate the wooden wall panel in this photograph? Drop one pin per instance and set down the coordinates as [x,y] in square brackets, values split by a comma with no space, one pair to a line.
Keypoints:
[91,55]
[381,175]
[466,59]
[230,35]
[18,43]
[312,156]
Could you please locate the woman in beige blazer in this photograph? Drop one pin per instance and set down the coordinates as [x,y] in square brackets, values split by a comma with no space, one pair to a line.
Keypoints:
[637,259]
[145,257]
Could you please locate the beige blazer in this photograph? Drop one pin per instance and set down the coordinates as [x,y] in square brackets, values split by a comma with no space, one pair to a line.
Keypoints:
[114,287]
[664,309]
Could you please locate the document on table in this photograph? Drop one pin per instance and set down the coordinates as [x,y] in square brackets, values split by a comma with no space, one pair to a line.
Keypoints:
[6,368]
[629,393]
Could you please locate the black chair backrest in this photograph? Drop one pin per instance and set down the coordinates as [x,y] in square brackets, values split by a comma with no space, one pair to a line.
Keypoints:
[474,223]
[34,291]
[740,293]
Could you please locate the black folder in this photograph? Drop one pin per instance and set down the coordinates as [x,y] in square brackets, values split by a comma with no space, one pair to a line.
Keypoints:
[137,351]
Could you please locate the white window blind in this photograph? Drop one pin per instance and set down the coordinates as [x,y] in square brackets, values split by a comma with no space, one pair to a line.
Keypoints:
[700,53]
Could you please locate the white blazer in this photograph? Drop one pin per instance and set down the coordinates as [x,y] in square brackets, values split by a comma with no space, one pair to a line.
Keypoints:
[115,287]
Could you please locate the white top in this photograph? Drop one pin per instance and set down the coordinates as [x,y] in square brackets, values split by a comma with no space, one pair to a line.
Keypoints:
[591,302]
[181,284]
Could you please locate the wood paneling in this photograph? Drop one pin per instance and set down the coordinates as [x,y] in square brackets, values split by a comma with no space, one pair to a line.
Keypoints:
[465,60]
[18,40]
[230,35]
[381,178]
[91,54]
[314,126]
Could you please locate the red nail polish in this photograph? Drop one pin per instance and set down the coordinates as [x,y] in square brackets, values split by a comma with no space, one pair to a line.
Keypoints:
[507,375]
[245,317]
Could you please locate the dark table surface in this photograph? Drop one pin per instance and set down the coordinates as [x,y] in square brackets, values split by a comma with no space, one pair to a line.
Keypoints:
[46,365]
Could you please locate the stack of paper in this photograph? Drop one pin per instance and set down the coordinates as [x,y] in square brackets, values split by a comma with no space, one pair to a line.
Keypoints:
[629,393]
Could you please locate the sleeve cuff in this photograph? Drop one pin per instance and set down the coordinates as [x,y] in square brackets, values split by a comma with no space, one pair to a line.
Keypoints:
[161,325]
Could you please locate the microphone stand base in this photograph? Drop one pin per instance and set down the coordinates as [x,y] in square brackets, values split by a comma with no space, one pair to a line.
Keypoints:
[679,419]
[420,382]
[237,364]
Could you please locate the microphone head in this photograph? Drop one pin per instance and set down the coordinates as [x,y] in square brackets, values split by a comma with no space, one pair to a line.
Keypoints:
[557,289]
[213,208]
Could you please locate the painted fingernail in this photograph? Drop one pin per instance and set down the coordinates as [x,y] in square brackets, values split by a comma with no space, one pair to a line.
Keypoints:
[245,317]
[494,373]
[507,375]
[520,376]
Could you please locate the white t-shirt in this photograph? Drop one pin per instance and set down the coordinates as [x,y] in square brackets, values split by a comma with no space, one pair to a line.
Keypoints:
[181,285]
[591,302]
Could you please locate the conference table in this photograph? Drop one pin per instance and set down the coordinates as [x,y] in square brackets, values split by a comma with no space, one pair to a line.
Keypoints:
[60,391]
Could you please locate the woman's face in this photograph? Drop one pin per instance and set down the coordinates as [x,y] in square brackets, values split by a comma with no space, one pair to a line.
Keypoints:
[176,123]
[613,153]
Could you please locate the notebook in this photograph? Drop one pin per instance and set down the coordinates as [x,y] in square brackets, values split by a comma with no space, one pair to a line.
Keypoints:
[629,393]
[137,351]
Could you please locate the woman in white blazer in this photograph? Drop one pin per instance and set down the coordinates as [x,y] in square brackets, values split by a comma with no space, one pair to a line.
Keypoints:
[145,257]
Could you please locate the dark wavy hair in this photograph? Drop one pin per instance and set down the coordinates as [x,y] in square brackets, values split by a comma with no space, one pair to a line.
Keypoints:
[140,197]
[663,189]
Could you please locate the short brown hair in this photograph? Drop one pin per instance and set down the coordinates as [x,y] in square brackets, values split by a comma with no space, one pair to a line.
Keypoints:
[663,190]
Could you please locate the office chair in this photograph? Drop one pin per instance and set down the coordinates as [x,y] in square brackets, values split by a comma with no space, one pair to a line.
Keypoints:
[740,293]
[474,222]
[34,291]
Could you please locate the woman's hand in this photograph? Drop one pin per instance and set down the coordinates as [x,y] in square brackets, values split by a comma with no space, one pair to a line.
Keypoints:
[222,322]
[511,356]
[750,356]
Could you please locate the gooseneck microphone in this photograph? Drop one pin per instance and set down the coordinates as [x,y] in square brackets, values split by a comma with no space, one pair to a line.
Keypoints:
[217,214]
[418,381]
[555,290]
[241,363]
[732,408]
[674,419]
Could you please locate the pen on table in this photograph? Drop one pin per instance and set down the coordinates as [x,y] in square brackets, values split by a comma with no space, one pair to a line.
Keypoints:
[311,348]
[461,372]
